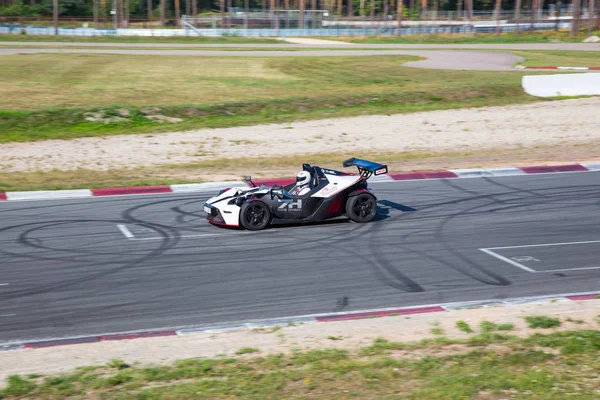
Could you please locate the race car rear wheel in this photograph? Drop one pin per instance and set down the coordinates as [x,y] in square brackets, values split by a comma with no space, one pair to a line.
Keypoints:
[255,215]
[361,208]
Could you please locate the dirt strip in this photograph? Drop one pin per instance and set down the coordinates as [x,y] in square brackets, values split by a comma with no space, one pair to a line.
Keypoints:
[568,122]
[344,335]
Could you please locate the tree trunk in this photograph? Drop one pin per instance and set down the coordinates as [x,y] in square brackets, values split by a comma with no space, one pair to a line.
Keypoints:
[95,12]
[228,12]
[576,17]
[286,5]
[272,13]
[517,16]
[103,12]
[532,8]
[301,15]
[386,9]
[188,7]
[55,15]
[459,9]
[117,19]
[126,14]
[498,9]
[592,16]
[222,11]
[470,11]
[162,12]
[423,9]
[350,8]
[399,11]
[372,11]
[195,7]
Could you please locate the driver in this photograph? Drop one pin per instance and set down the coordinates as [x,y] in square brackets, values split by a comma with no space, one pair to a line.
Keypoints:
[302,184]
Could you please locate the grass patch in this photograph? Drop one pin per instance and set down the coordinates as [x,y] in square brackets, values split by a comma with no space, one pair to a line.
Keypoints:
[463,326]
[479,38]
[268,167]
[560,58]
[430,371]
[540,321]
[246,350]
[48,95]
[138,39]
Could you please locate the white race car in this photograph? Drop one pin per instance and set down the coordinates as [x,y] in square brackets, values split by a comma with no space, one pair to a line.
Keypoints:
[332,194]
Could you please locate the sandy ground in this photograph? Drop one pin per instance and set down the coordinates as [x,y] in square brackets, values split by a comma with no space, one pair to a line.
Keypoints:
[466,130]
[347,334]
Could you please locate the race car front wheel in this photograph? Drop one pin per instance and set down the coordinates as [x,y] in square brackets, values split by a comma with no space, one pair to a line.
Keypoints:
[255,215]
[361,208]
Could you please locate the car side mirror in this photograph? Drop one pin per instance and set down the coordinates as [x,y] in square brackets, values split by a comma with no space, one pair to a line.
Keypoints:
[249,179]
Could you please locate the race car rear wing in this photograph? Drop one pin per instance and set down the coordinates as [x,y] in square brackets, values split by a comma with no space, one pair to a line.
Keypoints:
[366,168]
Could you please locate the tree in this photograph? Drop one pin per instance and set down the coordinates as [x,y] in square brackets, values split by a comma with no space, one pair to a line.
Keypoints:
[592,18]
[498,10]
[576,17]
[399,12]
[517,16]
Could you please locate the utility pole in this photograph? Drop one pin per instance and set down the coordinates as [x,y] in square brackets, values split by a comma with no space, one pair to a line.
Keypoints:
[55,15]
[149,6]
[301,16]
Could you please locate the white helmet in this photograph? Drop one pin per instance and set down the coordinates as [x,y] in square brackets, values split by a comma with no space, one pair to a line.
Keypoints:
[303,178]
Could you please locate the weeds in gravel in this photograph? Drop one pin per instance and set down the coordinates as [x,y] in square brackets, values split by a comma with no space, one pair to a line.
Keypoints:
[540,321]
[463,326]
[430,370]
[246,350]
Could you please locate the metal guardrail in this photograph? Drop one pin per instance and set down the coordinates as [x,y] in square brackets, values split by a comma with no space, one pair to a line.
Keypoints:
[332,31]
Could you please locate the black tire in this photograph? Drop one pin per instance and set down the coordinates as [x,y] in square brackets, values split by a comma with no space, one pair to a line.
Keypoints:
[361,208]
[255,215]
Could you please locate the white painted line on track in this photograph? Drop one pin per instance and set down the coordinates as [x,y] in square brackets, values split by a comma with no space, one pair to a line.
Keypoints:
[201,235]
[7,315]
[508,260]
[542,245]
[126,232]
[568,269]
[4,284]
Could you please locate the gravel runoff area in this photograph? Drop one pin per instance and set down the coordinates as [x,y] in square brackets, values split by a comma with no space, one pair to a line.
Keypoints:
[347,334]
[466,130]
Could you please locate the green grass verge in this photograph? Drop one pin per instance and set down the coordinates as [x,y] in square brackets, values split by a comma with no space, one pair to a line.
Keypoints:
[138,39]
[554,366]
[47,96]
[480,38]
[560,58]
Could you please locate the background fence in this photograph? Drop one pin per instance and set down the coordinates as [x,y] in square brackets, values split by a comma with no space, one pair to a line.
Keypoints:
[238,22]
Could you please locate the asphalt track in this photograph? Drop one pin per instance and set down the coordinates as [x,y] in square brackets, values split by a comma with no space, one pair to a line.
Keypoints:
[448,57]
[67,268]
[455,59]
